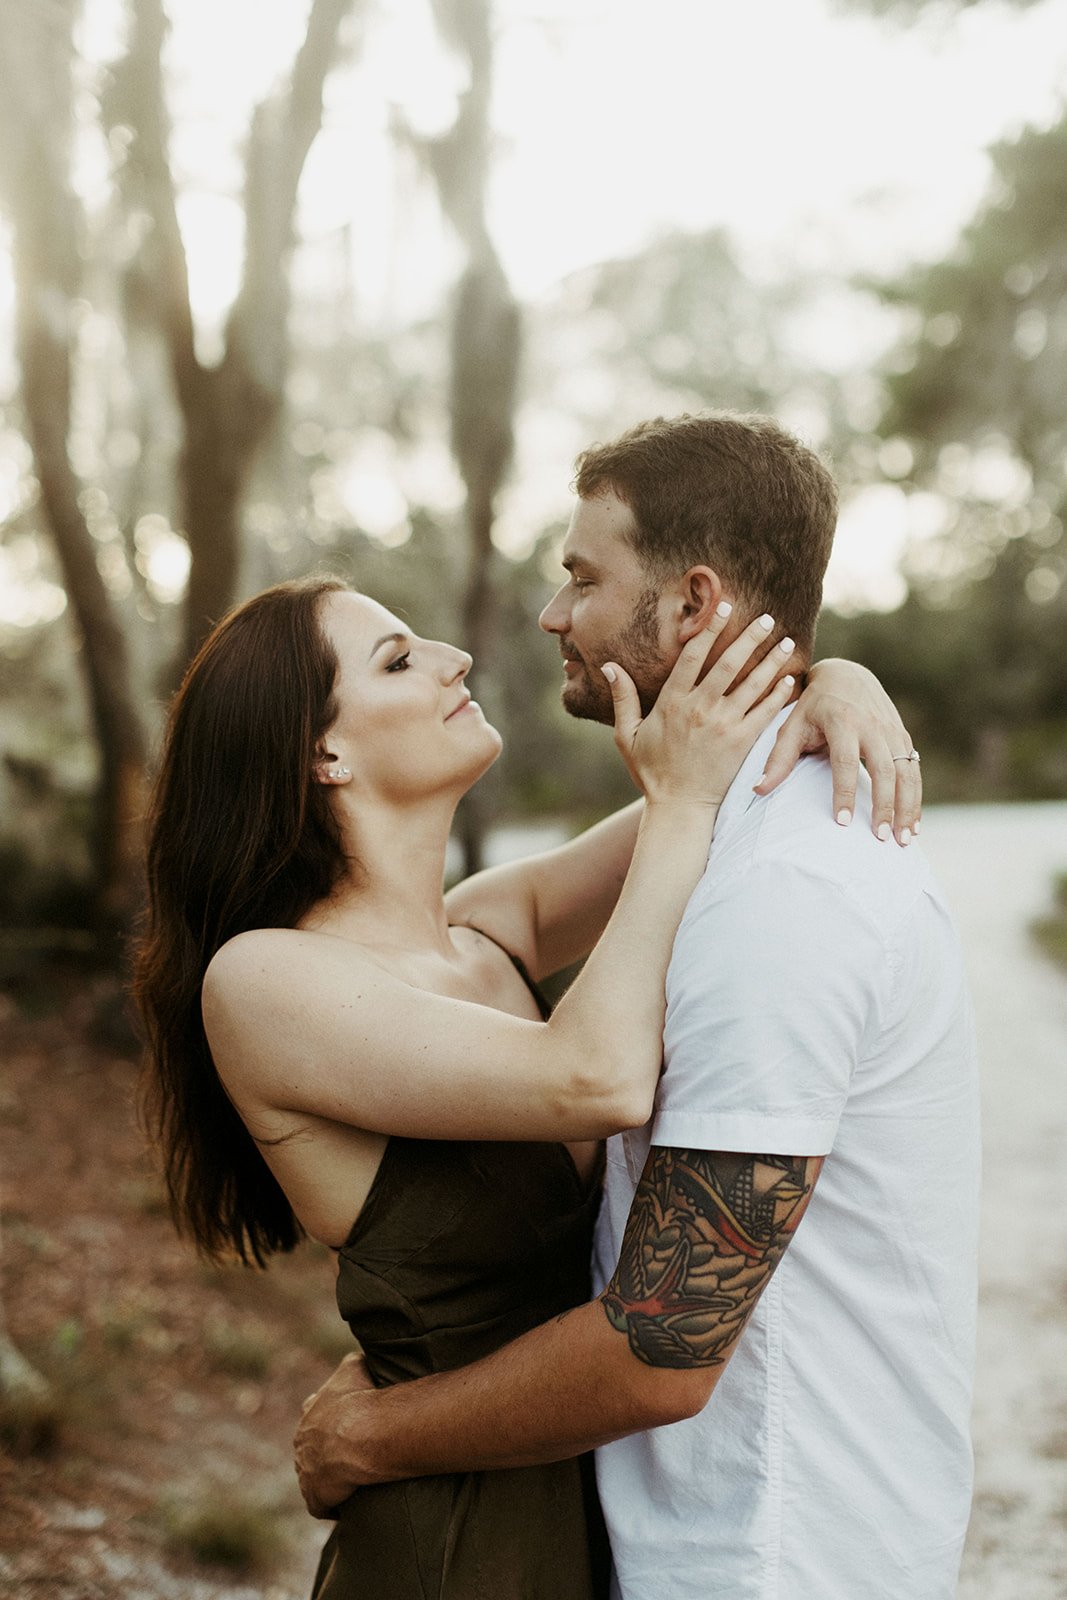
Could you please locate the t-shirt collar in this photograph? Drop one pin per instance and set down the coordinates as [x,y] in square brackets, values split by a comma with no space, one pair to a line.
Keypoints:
[739,796]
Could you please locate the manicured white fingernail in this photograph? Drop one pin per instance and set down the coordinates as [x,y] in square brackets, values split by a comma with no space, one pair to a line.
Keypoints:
[915,830]
[905,835]
[884,830]
[766,622]
[723,608]
[844,817]
[787,646]
[609,673]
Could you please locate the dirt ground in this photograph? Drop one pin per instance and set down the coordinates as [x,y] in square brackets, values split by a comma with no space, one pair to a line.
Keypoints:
[178,1383]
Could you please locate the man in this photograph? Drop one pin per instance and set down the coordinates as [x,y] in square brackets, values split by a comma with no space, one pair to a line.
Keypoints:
[786,1253]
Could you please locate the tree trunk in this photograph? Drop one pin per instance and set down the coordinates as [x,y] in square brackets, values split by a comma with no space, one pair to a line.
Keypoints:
[486,349]
[223,435]
[104,656]
[35,132]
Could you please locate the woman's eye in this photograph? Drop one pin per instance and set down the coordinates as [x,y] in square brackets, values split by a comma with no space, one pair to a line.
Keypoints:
[401,663]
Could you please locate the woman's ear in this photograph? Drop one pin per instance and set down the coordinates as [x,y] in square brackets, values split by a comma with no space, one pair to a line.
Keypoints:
[700,590]
[328,769]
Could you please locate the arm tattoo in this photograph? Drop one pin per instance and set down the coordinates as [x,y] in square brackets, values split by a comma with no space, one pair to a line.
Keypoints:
[705,1232]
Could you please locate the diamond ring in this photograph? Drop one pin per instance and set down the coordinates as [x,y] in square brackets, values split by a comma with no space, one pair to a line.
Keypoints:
[914,756]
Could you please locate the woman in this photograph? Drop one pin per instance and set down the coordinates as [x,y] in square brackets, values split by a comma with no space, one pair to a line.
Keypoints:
[338,1049]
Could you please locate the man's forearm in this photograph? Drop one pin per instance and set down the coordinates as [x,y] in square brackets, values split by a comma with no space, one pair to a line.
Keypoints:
[561,1389]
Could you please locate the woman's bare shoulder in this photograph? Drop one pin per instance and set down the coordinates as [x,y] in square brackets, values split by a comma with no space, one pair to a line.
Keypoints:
[271,960]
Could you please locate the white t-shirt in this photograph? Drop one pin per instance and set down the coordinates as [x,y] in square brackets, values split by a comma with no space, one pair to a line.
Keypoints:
[816,1006]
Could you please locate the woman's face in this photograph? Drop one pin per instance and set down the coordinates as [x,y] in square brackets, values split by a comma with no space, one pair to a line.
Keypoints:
[406,725]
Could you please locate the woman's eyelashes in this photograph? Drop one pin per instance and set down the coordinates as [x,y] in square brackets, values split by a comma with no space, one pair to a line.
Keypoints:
[401,663]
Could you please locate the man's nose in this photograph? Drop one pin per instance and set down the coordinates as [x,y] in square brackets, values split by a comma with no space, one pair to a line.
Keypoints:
[553,618]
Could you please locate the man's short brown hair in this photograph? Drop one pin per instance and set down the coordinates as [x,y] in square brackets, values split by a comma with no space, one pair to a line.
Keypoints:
[733,492]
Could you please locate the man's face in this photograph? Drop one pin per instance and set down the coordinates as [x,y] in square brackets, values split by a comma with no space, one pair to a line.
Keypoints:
[606,611]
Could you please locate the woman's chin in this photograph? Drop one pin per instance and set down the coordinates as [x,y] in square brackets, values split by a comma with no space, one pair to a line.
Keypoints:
[487,755]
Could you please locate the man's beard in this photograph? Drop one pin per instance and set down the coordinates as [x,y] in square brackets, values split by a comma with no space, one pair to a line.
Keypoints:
[636,649]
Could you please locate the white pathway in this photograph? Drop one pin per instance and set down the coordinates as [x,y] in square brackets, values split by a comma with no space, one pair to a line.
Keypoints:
[996,864]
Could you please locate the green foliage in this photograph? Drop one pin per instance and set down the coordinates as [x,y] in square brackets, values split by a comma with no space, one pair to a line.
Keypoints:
[991,333]
[975,656]
[981,682]
[67,1339]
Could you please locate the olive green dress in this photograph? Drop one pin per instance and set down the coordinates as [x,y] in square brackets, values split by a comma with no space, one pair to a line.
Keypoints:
[458,1249]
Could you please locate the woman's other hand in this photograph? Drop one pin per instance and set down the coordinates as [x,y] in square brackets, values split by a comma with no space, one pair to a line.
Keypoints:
[689,747]
[845,711]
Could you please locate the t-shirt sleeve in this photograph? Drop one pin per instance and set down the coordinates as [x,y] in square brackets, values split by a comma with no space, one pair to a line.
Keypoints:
[774,983]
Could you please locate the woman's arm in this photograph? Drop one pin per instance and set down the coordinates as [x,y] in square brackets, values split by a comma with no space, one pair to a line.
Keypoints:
[551,908]
[302,1022]
[829,722]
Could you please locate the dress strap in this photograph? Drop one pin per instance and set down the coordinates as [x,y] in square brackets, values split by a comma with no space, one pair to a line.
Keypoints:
[520,967]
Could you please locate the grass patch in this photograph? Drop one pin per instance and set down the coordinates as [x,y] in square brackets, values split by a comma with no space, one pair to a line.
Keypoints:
[86,1381]
[30,1412]
[133,1322]
[1051,932]
[220,1527]
[241,1351]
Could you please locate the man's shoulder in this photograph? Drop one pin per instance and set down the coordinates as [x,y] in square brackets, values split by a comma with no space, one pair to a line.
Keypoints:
[788,848]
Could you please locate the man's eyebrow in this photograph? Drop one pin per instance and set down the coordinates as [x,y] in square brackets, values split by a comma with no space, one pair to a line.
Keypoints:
[577,560]
[388,638]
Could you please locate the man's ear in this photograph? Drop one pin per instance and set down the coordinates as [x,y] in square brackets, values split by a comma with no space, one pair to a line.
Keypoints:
[699,592]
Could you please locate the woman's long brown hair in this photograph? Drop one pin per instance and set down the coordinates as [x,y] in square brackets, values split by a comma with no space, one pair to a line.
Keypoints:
[240,836]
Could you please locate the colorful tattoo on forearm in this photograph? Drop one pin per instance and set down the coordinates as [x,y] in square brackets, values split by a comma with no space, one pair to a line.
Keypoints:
[705,1232]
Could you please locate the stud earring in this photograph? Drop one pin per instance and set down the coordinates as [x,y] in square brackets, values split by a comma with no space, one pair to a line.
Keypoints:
[341,772]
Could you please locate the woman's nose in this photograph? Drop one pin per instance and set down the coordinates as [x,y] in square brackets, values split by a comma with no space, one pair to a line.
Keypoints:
[458,663]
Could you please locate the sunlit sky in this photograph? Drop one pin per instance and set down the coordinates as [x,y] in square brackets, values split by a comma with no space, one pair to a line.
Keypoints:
[820,138]
[815,134]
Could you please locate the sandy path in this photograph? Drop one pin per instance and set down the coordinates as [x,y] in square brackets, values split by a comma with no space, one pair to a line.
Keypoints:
[996,863]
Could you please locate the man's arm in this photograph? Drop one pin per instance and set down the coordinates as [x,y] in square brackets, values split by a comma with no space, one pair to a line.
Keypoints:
[704,1235]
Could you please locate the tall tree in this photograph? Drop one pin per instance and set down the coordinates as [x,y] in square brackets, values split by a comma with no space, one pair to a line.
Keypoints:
[229,409]
[48,232]
[486,342]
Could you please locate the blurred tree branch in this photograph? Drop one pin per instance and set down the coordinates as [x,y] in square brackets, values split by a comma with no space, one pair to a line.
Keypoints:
[909,10]
[227,410]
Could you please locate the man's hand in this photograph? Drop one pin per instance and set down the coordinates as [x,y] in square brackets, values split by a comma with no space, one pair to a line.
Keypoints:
[330,1416]
[846,711]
